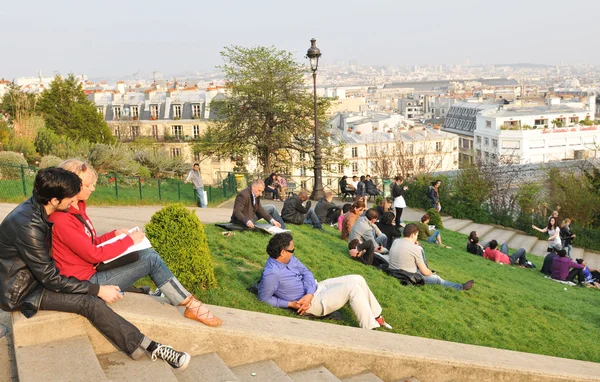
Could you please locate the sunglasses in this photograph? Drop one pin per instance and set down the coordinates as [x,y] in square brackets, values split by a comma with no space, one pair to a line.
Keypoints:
[290,250]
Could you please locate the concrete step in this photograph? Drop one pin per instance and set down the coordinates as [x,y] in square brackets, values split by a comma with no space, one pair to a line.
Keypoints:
[481,229]
[119,367]
[71,359]
[540,248]
[446,217]
[206,367]
[498,234]
[522,241]
[318,374]
[365,377]
[456,224]
[263,371]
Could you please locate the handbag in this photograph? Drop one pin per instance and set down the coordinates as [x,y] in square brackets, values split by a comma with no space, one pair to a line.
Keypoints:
[123,260]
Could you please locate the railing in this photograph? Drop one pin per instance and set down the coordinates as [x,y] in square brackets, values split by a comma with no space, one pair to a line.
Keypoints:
[16,184]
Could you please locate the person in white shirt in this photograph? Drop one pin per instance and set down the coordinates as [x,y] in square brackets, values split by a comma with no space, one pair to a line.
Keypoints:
[196,178]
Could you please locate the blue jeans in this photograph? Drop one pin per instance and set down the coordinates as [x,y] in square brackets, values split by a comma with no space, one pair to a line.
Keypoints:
[149,264]
[435,279]
[516,258]
[433,237]
[200,195]
[272,210]
[312,218]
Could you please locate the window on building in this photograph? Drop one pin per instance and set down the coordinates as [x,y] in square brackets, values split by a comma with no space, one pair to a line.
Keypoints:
[486,141]
[175,152]
[154,111]
[135,112]
[196,131]
[373,151]
[488,123]
[177,111]
[574,120]
[561,121]
[302,171]
[340,168]
[511,124]
[410,164]
[422,162]
[100,110]
[478,139]
[354,167]
[117,112]
[196,110]
[177,131]
[541,121]
[466,144]
[355,152]
[303,184]
[302,156]
[495,142]
[438,147]
[135,131]
[155,131]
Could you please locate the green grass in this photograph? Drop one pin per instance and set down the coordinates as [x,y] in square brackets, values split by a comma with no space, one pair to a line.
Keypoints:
[509,307]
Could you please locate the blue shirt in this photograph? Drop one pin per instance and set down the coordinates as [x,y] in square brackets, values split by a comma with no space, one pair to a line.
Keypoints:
[282,283]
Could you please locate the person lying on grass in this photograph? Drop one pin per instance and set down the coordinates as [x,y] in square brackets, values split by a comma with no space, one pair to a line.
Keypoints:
[501,256]
[287,283]
[408,256]
[75,251]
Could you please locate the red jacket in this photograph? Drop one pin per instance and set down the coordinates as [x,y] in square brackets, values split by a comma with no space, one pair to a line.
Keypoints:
[72,247]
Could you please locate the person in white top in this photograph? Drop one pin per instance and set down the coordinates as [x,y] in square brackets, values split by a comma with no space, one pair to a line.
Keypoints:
[196,178]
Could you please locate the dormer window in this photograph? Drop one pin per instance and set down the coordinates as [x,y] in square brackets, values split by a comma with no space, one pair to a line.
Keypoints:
[176,111]
[117,112]
[134,112]
[100,110]
[154,111]
[196,110]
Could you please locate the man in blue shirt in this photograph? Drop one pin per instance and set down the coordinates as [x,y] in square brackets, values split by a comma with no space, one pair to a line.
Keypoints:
[287,283]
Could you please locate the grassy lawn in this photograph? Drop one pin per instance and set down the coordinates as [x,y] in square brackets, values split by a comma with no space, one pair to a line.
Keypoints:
[509,307]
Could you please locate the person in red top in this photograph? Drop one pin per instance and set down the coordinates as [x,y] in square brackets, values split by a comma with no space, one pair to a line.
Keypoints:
[75,251]
[492,253]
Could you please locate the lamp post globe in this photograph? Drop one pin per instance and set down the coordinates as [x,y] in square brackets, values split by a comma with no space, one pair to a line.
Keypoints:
[313,55]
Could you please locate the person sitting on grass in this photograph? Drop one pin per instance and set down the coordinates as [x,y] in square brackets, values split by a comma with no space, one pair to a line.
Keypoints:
[384,205]
[345,210]
[387,225]
[565,269]
[247,208]
[75,251]
[295,212]
[327,212]
[548,261]
[363,252]
[592,276]
[366,230]
[473,245]
[351,217]
[287,283]
[425,233]
[501,256]
[408,256]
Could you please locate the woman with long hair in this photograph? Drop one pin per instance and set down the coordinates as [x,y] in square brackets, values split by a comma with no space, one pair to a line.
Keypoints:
[398,194]
[553,233]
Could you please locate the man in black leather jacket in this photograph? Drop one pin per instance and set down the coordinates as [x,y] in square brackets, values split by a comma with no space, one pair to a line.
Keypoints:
[30,281]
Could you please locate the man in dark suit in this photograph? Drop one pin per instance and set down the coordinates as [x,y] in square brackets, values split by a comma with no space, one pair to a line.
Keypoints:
[247,208]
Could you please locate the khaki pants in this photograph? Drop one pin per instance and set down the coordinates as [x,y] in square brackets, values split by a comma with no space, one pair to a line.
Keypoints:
[332,294]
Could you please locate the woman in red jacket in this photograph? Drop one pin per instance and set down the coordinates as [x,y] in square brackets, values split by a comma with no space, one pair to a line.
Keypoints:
[76,252]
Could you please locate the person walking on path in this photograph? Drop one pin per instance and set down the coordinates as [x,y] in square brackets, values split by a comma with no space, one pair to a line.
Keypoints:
[196,178]
[398,194]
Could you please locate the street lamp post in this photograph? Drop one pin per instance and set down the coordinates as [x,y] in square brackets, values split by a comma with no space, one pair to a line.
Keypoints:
[313,55]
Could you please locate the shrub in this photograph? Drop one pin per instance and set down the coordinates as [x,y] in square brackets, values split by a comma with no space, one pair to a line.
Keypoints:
[10,164]
[178,235]
[50,161]
[435,218]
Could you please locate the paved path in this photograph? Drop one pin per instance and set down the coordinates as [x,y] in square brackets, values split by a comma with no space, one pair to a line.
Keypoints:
[108,218]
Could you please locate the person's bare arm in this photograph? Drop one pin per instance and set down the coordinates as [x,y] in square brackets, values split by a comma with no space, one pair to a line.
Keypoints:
[424,270]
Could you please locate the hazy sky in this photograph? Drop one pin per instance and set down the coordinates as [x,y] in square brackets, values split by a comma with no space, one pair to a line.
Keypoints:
[118,38]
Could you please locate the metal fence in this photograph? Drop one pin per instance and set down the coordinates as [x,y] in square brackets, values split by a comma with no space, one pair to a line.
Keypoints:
[16,184]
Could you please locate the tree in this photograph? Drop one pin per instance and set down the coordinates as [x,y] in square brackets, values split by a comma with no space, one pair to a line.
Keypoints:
[17,104]
[268,111]
[113,158]
[68,112]
[159,163]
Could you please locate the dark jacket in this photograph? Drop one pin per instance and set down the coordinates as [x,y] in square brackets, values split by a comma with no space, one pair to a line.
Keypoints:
[244,209]
[361,189]
[566,235]
[474,249]
[323,208]
[293,211]
[433,195]
[371,187]
[390,231]
[26,264]
[397,190]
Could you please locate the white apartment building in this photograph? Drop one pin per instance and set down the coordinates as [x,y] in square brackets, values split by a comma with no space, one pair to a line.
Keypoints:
[537,134]
[367,122]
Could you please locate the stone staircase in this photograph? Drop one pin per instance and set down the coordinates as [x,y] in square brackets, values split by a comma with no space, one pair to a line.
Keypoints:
[258,347]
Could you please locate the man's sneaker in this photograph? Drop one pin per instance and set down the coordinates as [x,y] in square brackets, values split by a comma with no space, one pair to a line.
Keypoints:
[382,322]
[468,285]
[177,359]
[157,293]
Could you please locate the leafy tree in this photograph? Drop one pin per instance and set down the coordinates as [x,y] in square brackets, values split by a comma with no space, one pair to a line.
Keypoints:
[159,164]
[113,158]
[68,112]
[18,104]
[49,143]
[268,112]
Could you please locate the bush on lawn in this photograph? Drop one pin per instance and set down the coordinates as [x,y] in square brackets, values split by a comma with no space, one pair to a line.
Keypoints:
[10,164]
[435,218]
[178,236]
[50,161]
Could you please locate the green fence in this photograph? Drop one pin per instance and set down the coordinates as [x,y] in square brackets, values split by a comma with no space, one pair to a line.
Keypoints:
[16,184]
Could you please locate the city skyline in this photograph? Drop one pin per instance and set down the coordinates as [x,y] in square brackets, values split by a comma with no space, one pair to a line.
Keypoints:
[116,39]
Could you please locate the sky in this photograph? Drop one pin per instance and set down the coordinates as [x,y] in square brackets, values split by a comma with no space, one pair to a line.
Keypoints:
[119,38]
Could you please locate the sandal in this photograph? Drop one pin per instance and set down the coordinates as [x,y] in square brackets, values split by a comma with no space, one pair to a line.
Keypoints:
[196,310]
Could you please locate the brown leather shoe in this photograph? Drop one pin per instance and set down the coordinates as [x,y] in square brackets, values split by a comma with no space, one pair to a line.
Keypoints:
[468,285]
[196,310]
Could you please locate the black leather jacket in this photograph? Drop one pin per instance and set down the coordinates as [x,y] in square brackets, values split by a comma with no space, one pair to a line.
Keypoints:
[26,265]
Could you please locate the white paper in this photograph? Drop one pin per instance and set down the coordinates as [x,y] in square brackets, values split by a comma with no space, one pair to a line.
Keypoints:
[144,244]
[270,228]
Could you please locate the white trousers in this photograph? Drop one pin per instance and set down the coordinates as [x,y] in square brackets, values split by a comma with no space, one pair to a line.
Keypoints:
[332,294]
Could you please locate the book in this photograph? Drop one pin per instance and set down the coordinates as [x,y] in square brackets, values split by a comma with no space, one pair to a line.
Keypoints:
[271,229]
[144,244]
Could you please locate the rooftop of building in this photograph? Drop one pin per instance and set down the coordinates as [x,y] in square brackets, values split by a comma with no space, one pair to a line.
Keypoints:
[415,134]
[443,84]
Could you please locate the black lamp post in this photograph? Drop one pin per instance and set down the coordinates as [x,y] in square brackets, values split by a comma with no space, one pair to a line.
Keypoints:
[313,55]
